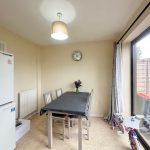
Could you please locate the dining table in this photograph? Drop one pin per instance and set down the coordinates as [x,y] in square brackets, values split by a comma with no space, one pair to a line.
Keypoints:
[70,103]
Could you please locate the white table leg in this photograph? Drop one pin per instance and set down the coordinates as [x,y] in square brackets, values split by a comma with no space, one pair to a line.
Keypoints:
[50,131]
[79,133]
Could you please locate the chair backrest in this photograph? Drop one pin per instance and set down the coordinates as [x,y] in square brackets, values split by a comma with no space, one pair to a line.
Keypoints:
[91,94]
[59,92]
[47,97]
[89,103]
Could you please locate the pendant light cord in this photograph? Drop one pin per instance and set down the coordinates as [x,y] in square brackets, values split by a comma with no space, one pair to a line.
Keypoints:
[59,14]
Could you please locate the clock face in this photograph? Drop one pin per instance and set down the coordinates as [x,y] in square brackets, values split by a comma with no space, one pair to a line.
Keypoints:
[76,55]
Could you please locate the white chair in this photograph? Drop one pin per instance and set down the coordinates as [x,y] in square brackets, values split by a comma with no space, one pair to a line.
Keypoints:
[47,97]
[62,117]
[58,92]
[88,119]
[85,121]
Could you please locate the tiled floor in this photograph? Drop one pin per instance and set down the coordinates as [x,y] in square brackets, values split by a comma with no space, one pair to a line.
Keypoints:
[102,137]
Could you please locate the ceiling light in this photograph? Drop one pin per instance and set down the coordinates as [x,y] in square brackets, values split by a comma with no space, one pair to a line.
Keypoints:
[59,29]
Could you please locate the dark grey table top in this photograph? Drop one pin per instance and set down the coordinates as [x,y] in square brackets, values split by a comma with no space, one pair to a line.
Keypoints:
[69,102]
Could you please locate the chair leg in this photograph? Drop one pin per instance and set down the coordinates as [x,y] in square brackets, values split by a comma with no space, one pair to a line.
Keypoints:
[68,128]
[63,129]
[87,133]
[87,128]
[71,123]
[89,122]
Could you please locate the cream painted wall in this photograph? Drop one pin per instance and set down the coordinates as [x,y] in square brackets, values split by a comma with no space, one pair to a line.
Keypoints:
[53,67]
[59,70]
[25,62]
[126,78]
[137,29]
[130,34]
[94,70]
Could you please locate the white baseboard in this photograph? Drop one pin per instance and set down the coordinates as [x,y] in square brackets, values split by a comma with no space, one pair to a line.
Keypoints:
[30,115]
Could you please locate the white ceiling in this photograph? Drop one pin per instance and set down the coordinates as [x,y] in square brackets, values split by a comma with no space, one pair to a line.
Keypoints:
[88,20]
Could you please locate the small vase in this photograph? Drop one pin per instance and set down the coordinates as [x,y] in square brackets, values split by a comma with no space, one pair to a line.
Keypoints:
[77,90]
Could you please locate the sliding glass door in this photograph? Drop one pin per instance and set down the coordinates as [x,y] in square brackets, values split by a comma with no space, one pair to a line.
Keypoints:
[140,74]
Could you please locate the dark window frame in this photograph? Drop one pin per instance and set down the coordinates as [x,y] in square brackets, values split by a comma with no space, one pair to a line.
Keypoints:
[141,36]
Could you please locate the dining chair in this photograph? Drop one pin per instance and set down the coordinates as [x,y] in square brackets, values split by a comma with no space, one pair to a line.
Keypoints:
[47,97]
[88,119]
[56,116]
[59,92]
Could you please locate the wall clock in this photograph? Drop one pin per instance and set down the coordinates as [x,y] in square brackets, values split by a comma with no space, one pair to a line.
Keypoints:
[77,55]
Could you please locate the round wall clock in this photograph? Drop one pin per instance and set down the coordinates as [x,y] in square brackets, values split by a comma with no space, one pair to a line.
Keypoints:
[77,55]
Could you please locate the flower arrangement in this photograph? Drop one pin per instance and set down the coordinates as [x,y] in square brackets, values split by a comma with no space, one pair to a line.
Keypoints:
[77,85]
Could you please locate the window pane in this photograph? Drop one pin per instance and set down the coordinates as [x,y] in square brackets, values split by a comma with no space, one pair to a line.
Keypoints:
[141,83]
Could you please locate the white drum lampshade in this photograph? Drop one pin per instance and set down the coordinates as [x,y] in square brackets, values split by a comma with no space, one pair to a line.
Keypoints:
[59,30]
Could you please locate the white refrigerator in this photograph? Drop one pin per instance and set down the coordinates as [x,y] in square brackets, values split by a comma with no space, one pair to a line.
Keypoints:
[7,107]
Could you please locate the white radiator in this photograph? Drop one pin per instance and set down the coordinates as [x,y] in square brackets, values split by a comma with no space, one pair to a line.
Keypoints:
[27,102]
